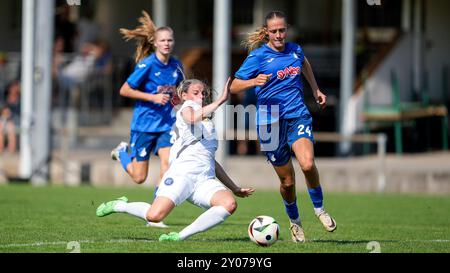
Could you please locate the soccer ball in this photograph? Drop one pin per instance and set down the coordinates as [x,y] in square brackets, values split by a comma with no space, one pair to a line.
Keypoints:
[264,230]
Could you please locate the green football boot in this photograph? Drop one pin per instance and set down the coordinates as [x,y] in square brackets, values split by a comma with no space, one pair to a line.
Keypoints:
[171,237]
[107,208]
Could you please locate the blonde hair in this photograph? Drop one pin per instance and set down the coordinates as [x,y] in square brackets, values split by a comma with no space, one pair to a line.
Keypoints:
[259,36]
[184,87]
[144,36]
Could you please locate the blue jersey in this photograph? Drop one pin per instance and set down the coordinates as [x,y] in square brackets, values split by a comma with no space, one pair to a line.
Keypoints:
[284,89]
[153,77]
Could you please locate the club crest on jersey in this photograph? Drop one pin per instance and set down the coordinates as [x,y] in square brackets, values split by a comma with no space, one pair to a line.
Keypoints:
[143,152]
[169,182]
[288,72]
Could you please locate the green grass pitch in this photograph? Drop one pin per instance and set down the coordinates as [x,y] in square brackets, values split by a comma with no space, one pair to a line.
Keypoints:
[47,219]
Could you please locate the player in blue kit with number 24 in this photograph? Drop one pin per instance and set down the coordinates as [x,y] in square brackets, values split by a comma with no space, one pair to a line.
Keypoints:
[273,70]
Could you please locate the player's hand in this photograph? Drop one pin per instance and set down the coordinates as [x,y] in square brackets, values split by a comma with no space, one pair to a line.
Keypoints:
[321,99]
[261,80]
[161,99]
[225,92]
[243,192]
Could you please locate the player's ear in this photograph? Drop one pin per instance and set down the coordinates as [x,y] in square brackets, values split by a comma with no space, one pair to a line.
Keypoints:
[184,96]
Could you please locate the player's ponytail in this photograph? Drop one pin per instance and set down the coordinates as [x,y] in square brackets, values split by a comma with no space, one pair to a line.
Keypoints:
[260,36]
[255,39]
[144,36]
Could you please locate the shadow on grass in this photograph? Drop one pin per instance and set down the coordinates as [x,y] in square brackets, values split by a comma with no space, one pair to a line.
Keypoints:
[193,239]
[350,242]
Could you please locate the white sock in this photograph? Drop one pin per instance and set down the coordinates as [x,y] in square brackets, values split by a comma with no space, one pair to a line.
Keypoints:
[319,210]
[207,220]
[138,209]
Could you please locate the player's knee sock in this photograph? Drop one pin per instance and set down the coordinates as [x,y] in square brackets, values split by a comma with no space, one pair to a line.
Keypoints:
[317,198]
[206,221]
[125,159]
[292,211]
[138,209]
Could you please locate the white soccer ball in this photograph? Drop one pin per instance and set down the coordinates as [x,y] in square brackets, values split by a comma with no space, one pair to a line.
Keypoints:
[264,230]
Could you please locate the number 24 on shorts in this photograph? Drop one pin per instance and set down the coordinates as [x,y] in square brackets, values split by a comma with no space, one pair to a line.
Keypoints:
[302,129]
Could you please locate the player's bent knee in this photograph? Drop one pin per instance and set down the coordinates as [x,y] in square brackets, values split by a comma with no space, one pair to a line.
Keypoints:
[139,179]
[230,205]
[155,217]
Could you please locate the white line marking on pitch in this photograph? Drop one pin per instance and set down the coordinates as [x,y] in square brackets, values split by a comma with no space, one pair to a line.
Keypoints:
[123,241]
[81,242]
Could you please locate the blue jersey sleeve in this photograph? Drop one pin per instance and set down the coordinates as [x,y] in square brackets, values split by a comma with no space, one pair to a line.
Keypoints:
[181,71]
[139,75]
[300,54]
[249,69]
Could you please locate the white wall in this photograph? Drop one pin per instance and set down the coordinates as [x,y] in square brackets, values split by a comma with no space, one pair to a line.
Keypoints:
[437,54]
[378,86]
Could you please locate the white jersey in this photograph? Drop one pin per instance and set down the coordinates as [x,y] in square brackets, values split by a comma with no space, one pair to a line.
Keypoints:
[193,153]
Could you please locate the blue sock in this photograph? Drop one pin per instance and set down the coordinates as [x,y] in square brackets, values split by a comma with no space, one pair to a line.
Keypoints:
[292,210]
[316,197]
[125,159]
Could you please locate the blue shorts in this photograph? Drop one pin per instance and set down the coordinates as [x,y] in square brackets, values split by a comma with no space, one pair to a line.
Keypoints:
[142,144]
[277,139]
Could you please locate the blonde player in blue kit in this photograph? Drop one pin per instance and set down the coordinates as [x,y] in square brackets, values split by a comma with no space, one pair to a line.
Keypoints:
[273,69]
[193,169]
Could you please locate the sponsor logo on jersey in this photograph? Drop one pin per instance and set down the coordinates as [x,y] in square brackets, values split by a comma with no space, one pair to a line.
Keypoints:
[271,60]
[288,72]
[167,89]
[175,74]
[157,74]
[142,66]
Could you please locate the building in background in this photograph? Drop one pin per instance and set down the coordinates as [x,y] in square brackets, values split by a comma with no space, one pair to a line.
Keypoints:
[386,43]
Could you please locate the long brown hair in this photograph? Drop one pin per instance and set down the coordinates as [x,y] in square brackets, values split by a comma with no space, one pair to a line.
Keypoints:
[259,36]
[144,36]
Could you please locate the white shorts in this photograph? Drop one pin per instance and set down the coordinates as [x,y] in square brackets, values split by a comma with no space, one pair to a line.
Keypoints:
[181,188]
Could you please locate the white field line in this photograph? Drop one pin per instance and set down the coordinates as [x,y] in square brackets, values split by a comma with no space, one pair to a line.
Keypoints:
[37,244]
[124,241]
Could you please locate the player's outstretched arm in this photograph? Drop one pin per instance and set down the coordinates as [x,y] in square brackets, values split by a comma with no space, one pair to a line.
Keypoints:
[321,99]
[192,117]
[226,180]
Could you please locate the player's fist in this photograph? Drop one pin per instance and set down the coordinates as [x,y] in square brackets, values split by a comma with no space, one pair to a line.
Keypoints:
[161,99]
[321,99]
